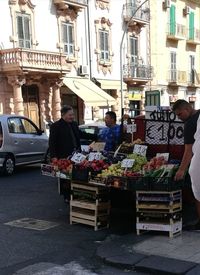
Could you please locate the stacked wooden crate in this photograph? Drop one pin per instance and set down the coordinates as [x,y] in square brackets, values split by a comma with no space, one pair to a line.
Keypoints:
[159,211]
[90,205]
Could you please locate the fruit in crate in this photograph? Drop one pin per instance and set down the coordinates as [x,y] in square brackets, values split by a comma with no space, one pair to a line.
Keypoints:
[63,165]
[112,170]
[140,161]
[154,164]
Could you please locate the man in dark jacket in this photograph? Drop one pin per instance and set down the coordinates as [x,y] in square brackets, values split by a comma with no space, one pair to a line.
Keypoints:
[64,139]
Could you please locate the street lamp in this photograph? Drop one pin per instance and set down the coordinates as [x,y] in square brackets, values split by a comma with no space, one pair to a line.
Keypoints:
[121,44]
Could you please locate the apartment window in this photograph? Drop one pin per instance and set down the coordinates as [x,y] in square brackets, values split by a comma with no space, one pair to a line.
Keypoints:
[104,45]
[172,20]
[24,30]
[68,38]
[134,50]
[152,98]
[191,69]
[173,70]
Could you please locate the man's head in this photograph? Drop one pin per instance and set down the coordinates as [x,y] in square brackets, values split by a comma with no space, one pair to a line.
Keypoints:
[110,119]
[182,109]
[67,113]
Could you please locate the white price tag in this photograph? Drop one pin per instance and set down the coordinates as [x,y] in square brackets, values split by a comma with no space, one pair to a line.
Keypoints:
[140,149]
[164,155]
[131,128]
[85,148]
[78,157]
[94,156]
[127,163]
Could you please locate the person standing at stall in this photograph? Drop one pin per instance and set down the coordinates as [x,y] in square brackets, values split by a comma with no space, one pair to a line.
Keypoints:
[189,116]
[111,134]
[64,139]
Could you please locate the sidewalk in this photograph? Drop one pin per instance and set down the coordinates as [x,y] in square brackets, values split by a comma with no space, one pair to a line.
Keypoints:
[152,253]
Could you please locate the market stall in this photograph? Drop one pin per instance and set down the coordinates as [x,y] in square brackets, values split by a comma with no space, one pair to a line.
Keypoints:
[145,166]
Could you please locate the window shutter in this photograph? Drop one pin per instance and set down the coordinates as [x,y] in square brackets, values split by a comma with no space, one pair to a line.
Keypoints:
[191,25]
[27,34]
[172,20]
[106,41]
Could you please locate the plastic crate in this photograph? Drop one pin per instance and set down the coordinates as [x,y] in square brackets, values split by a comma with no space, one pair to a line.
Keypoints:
[80,174]
[158,184]
[117,182]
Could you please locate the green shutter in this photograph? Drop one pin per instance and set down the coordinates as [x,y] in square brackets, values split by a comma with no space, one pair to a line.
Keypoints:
[191,25]
[172,20]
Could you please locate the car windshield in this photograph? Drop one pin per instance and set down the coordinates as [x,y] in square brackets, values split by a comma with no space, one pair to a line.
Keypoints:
[88,130]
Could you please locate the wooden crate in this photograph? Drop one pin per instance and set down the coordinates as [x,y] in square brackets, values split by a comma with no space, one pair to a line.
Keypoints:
[89,205]
[159,211]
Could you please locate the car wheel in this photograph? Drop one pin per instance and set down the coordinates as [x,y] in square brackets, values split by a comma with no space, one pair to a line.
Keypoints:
[9,165]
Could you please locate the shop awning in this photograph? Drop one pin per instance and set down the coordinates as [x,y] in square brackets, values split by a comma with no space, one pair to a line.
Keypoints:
[111,84]
[90,93]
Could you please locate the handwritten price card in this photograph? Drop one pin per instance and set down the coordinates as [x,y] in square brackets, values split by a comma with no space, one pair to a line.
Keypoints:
[78,158]
[127,163]
[94,156]
[140,149]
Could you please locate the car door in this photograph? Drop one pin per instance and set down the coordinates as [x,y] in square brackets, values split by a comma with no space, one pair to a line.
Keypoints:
[16,141]
[37,141]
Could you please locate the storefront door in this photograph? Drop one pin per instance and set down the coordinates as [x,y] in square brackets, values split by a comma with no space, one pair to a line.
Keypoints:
[31,103]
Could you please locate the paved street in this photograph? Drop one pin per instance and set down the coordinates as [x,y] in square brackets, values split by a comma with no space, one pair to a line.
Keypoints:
[29,199]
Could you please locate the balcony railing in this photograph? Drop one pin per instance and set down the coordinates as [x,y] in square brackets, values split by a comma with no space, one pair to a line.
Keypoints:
[143,14]
[17,58]
[193,35]
[176,31]
[76,2]
[141,72]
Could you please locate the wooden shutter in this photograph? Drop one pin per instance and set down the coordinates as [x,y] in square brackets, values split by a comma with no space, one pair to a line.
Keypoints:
[172,20]
[191,25]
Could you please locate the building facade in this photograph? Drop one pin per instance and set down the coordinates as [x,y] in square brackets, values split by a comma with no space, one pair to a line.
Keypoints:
[175,52]
[57,52]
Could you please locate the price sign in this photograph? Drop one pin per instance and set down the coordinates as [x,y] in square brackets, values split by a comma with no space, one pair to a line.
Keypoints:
[94,156]
[131,128]
[48,170]
[98,146]
[78,157]
[127,163]
[164,155]
[140,149]
[85,148]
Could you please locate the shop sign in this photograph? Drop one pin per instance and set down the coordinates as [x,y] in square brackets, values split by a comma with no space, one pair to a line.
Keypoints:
[127,163]
[134,95]
[163,132]
[140,149]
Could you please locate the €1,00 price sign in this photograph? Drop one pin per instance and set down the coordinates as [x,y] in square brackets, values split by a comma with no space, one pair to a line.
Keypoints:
[162,132]
[127,163]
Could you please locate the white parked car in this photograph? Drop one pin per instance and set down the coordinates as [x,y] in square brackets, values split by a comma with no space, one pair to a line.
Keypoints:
[21,143]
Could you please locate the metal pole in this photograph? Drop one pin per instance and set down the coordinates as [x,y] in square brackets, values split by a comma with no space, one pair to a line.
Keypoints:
[121,66]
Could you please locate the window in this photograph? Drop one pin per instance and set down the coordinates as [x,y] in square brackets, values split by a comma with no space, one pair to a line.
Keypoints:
[15,126]
[29,127]
[1,135]
[191,69]
[134,50]
[68,38]
[104,46]
[173,71]
[24,30]
[152,98]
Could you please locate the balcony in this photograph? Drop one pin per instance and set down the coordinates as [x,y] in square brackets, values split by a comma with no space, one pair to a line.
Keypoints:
[142,16]
[176,32]
[20,60]
[137,73]
[63,4]
[193,36]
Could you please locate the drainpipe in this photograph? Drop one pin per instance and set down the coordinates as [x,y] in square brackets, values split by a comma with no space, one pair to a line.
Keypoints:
[89,45]
[89,48]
